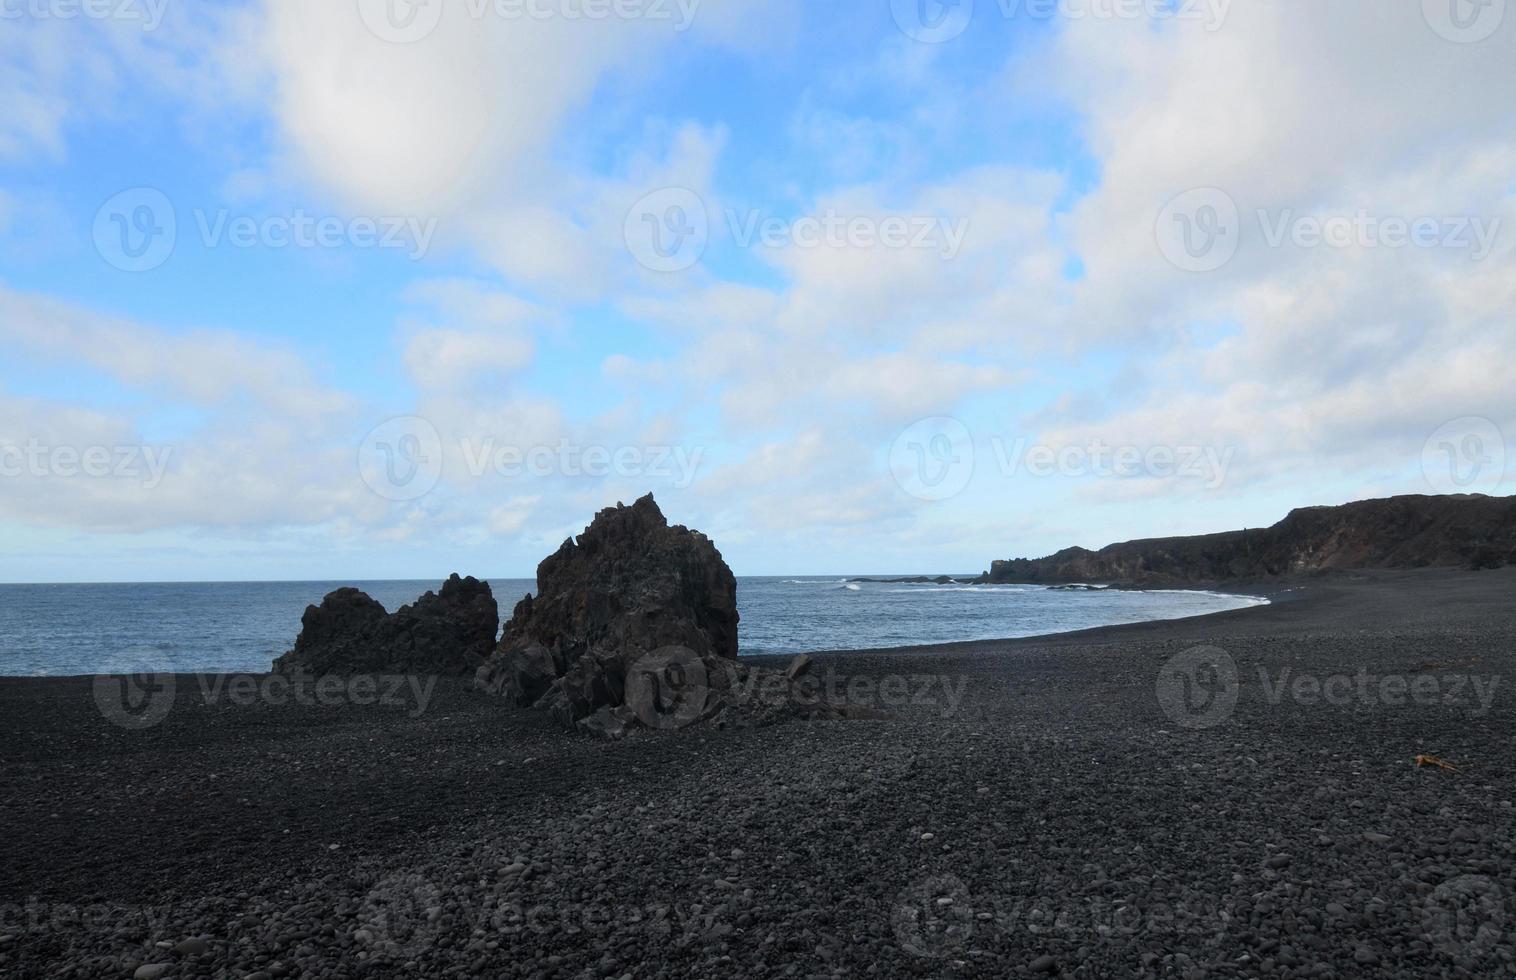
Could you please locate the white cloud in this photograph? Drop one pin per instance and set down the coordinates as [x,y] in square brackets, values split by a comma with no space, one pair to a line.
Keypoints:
[257,442]
[441,358]
[511,516]
[1342,359]
[204,367]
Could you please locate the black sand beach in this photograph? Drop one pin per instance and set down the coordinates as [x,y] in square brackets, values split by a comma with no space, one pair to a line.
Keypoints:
[1019,808]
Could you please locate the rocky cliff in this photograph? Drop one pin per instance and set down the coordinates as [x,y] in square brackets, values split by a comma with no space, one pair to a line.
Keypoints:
[1410,531]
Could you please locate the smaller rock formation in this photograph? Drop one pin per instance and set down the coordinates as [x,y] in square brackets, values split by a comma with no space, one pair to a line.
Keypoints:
[446,632]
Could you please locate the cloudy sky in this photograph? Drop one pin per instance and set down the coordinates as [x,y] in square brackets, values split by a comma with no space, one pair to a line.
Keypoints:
[387,288]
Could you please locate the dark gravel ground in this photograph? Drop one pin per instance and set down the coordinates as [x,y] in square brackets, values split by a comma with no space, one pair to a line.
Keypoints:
[1066,817]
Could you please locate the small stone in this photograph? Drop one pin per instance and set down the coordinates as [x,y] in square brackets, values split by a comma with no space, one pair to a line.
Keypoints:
[1278,861]
[1365,955]
[1042,964]
[192,947]
[1376,838]
[928,836]
[151,971]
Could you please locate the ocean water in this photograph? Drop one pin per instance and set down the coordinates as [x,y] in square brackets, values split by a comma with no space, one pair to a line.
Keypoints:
[242,626]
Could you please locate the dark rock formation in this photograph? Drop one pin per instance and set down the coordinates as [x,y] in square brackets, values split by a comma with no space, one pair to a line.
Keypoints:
[634,623]
[446,632]
[1411,531]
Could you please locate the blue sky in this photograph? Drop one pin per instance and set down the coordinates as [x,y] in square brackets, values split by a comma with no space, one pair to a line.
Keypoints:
[855,287]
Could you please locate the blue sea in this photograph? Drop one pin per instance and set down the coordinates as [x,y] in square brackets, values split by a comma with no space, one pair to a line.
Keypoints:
[242,626]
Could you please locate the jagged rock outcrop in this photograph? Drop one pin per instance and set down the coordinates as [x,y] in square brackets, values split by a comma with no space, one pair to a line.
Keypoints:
[451,631]
[634,623]
[1412,531]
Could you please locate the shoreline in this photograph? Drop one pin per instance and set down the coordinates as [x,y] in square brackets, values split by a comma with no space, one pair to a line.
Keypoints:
[1213,589]
[1041,773]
